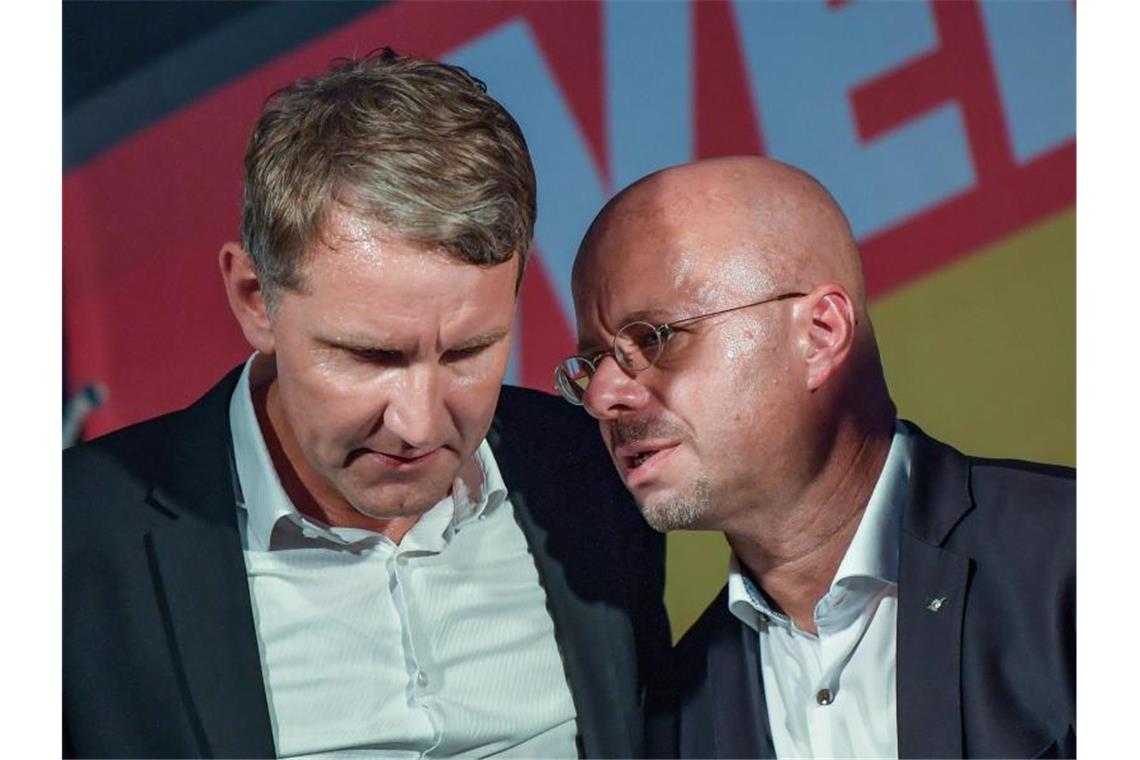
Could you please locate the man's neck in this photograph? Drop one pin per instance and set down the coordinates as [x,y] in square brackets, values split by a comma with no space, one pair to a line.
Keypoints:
[794,553]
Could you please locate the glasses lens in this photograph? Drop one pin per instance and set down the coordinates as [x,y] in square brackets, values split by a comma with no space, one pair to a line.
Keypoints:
[637,346]
[571,377]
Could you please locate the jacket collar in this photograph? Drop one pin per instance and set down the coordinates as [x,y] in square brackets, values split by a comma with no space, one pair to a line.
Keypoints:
[196,560]
[933,584]
[940,488]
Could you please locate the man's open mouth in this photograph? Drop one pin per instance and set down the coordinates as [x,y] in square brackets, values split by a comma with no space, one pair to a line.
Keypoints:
[641,457]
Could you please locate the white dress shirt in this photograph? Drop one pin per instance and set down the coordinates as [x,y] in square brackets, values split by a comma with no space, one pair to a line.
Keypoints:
[833,695]
[438,646]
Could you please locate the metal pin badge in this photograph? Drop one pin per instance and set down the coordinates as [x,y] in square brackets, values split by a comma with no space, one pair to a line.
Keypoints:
[935,604]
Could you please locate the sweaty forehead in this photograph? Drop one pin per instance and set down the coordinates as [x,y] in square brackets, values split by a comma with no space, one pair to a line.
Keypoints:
[634,263]
[668,247]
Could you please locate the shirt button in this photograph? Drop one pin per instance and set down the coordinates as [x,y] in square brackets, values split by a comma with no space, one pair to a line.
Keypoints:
[823,697]
[422,679]
[401,559]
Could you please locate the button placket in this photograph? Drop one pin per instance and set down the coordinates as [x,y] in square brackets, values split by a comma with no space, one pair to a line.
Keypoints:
[819,719]
[399,567]
[422,676]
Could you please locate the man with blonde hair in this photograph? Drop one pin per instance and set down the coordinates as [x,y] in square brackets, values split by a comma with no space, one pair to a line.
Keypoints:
[353,543]
[887,595]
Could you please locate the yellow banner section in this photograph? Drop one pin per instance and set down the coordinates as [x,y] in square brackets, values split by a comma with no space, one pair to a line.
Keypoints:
[981,354]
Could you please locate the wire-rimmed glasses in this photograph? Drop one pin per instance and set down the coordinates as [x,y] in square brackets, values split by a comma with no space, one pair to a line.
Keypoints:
[637,346]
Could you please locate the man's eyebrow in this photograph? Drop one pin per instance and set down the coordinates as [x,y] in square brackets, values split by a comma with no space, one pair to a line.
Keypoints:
[361,345]
[653,316]
[374,346]
[480,341]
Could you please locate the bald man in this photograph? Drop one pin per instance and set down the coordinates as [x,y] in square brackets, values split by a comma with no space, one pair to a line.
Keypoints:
[887,595]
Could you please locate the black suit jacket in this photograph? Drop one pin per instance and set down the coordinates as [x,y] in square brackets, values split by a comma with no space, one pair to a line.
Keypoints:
[989,672]
[160,655]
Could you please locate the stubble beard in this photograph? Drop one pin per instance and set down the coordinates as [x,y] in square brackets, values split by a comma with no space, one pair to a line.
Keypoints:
[681,511]
[689,505]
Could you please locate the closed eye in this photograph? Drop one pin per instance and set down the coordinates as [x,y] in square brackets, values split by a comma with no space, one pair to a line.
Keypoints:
[379,356]
[473,346]
[467,352]
[458,354]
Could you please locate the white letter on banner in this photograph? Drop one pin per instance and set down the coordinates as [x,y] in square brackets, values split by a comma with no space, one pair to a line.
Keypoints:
[804,58]
[570,188]
[649,78]
[1034,49]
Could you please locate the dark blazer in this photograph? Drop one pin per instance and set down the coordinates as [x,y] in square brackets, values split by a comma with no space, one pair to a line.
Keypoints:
[989,672]
[160,654]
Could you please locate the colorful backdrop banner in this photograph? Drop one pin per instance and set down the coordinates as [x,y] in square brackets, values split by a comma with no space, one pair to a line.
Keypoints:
[946,130]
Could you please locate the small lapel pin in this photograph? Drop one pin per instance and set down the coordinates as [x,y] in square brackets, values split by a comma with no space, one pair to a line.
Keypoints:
[935,604]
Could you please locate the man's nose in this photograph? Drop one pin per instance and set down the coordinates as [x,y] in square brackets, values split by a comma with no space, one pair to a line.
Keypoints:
[613,390]
[417,412]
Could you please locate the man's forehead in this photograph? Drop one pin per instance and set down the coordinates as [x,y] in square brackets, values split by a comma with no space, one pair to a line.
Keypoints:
[345,229]
[677,244]
[349,240]
[616,292]
[665,269]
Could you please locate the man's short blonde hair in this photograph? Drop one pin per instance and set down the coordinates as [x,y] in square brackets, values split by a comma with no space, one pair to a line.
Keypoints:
[414,145]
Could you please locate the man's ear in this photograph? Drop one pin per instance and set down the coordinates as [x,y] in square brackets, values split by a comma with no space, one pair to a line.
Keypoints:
[246,297]
[830,334]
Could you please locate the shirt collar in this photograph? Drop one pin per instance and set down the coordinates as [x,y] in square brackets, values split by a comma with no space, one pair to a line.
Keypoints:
[874,549]
[745,601]
[260,493]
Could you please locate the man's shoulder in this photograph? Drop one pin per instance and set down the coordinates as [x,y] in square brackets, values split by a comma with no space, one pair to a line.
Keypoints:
[1019,511]
[995,482]
[1034,481]
[131,452]
[525,408]
[139,453]
[1008,493]
[1025,512]
[106,488]
[543,427]
[553,452]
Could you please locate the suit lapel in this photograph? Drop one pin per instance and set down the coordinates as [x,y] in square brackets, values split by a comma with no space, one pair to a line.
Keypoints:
[741,714]
[199,575]
[933,584]
[931,603]
[588,662]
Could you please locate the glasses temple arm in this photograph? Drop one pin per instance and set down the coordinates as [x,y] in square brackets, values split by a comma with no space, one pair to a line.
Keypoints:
[669,326]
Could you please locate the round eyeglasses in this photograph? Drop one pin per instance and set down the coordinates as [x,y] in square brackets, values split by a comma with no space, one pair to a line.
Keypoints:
[637,346]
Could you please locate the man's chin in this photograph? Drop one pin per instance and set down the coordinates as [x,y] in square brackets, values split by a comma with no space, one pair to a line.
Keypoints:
[665,519]
[673,510]
[390,501]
